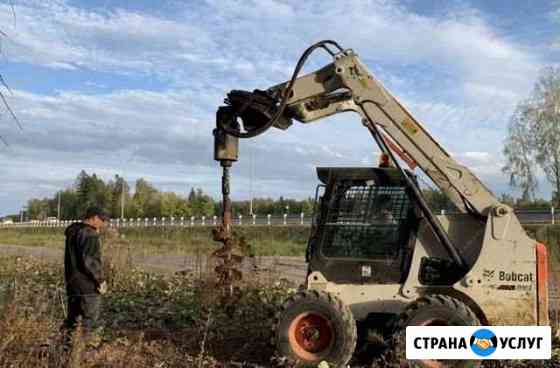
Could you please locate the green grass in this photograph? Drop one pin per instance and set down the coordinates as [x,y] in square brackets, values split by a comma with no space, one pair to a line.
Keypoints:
[44,237]
[264,240]
[548,235]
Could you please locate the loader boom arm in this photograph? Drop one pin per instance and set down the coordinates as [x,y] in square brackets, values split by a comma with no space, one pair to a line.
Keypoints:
[347,85]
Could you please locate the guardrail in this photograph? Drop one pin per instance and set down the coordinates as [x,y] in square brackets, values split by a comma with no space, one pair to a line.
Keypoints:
[526,217]
[549,216]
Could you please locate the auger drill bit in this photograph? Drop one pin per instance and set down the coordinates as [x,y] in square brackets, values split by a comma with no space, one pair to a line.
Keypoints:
[226,215]
[226,152]
[225,271]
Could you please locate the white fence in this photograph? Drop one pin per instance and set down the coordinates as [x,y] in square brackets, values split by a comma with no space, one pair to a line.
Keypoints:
[260,220]
[547,216]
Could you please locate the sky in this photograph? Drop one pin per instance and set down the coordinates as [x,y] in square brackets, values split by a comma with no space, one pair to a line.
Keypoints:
[132,87]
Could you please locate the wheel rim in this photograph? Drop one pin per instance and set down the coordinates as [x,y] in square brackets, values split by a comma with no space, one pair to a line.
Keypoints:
[434,322]
[311,335]
[434,363]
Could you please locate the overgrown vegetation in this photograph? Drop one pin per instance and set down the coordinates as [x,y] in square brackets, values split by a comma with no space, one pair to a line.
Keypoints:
[149,320]
[550,236]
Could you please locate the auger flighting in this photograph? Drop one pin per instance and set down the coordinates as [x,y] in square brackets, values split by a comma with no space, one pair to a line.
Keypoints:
[226,151]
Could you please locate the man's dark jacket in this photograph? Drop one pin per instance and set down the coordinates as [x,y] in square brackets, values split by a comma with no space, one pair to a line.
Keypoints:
[82,259]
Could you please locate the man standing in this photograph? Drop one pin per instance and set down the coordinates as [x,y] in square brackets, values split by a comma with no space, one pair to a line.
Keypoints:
[83,270]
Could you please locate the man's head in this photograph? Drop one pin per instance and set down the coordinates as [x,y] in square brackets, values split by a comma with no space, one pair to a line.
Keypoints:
[384,201]
[96,217]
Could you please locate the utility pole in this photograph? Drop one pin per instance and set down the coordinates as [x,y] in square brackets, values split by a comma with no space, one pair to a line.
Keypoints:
[251,207]
[122,198]
[23,209]
[251,169]
[58,208]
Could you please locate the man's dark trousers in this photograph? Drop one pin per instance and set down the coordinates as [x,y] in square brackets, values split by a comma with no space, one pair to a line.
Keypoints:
[86,307]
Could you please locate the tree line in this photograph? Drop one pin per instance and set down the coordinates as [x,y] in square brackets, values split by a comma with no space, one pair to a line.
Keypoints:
[116,196]
[146,200]
[438,201]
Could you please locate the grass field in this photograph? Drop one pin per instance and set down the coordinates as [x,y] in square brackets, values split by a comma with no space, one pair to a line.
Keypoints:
[264,240]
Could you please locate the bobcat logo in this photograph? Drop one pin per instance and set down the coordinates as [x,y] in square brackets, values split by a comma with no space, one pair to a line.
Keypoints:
[488,274]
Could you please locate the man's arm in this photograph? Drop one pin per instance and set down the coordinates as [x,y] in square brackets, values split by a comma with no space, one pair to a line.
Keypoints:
[91,259]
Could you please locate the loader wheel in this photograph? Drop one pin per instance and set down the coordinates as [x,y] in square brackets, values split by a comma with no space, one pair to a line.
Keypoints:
[314,326]
[432,310]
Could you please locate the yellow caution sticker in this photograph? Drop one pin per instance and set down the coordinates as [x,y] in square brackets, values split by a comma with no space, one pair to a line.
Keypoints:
[364,82]
[410,126]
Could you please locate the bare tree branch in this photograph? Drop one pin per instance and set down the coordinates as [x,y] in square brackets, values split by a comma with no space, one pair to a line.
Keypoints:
[10,111]
[13,13]
[3,82]
[4,141]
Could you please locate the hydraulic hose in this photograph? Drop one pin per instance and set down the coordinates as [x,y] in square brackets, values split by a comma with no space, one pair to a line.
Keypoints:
[285,94]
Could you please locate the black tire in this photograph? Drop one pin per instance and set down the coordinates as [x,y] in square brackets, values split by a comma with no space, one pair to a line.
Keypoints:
[314,326]
[432,310]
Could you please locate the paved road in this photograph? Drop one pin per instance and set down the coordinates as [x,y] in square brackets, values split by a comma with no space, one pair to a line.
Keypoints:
[265,268]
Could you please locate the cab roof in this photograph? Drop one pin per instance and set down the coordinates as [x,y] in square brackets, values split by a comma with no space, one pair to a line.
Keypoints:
[381,176]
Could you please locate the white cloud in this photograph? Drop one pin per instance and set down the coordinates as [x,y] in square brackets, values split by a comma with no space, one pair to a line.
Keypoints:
[484,164]
[490,95]
[479,156]
[458,74]
[52,33]
[246,37]
[162,137]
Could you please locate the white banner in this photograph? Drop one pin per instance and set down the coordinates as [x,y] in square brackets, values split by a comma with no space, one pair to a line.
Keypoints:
[478,342]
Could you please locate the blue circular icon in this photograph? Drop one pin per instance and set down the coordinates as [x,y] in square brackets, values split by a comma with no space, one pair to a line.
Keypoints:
[483,342]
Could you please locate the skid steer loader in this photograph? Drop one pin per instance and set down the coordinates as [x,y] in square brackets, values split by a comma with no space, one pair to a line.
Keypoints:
[377,255]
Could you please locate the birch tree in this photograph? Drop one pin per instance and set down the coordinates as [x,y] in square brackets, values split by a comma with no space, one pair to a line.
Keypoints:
[533,140]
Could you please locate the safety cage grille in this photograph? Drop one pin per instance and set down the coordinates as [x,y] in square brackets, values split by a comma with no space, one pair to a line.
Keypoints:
[366,221]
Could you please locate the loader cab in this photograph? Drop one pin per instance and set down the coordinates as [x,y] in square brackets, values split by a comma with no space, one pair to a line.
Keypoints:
[364,226]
